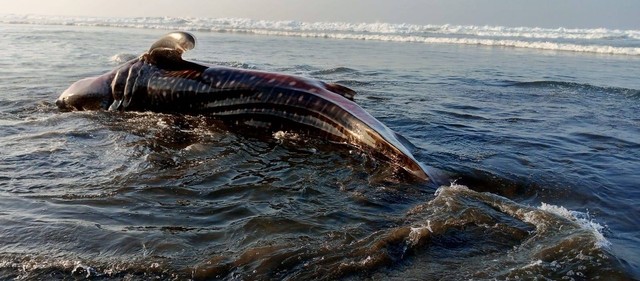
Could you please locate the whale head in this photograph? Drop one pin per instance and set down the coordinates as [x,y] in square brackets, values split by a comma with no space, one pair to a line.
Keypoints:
[93,93]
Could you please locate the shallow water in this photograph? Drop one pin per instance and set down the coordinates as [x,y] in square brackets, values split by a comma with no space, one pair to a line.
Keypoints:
[538,152]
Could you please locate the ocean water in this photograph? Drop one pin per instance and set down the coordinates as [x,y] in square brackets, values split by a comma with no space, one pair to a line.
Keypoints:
[534,133]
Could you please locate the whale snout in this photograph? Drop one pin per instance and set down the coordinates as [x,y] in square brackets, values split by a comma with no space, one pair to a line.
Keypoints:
[61,104]
[91,93]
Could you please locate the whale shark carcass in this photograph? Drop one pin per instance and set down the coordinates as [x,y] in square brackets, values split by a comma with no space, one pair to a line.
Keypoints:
[161,81]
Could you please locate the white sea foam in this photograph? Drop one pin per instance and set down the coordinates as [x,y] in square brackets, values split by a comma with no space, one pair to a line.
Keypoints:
[121,58]
[583,219]
[599,40]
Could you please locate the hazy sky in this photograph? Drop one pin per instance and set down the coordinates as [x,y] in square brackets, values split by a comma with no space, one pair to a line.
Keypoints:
[622,14]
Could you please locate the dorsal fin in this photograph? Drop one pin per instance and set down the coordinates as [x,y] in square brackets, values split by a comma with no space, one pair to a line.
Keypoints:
[178,41]
[170,47]
[341,90]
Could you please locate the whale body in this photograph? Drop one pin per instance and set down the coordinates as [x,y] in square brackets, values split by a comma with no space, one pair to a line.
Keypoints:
[161,81]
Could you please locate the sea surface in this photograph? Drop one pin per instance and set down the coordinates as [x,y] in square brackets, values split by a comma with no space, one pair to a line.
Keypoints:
[533,133]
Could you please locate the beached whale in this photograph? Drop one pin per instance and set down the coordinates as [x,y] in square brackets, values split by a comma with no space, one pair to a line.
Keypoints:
[161,81]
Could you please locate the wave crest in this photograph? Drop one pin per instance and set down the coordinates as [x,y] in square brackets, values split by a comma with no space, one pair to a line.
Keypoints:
[598,40]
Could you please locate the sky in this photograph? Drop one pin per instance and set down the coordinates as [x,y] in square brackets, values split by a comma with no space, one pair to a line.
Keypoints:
[612,14]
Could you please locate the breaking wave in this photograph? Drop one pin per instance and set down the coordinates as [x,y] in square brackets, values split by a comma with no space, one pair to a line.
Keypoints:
[598,40]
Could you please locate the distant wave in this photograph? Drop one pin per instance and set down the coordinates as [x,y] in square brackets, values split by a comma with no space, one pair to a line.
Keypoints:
[598,41]
[588,87]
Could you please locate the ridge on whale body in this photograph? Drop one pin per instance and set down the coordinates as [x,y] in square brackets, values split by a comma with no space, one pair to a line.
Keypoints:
[161,81]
